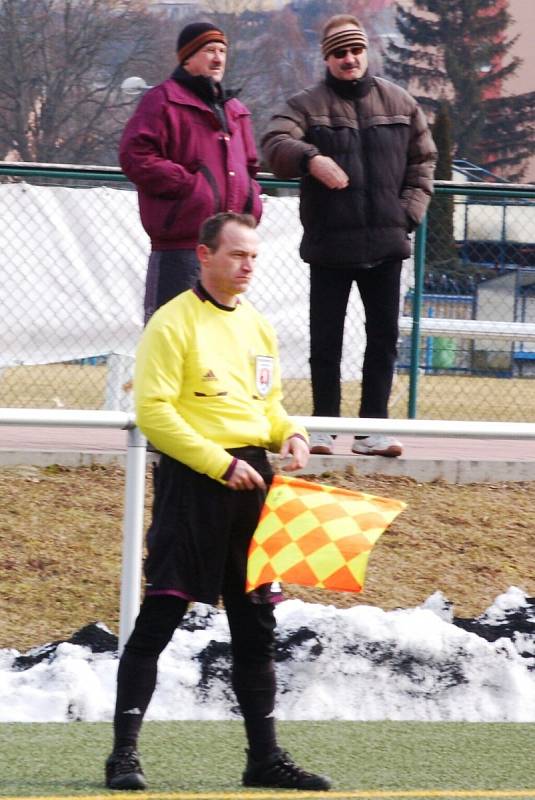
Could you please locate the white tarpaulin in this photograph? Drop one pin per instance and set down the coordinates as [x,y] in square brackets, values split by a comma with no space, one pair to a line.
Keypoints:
[73,266]
[73,272]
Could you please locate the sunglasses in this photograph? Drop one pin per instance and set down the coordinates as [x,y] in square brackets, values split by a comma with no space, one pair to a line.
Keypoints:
[343,51]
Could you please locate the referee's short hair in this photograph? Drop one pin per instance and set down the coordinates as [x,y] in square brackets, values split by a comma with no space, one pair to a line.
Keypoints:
[210,232]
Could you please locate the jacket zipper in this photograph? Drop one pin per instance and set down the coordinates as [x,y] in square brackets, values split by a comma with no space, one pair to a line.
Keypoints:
[365,173]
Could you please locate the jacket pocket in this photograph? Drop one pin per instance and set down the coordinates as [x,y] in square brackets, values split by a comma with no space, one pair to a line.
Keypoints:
[184,215]
[256,201]
[253,204]
[248,205]
[212,183]
[172,214]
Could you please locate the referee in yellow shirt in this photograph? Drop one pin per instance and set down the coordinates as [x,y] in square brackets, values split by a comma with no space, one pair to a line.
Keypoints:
[208,397]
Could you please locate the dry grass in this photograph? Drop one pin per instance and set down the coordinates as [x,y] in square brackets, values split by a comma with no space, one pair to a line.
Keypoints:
[53,386]
[61,536]
[439,396]
[446,397]
[466,398]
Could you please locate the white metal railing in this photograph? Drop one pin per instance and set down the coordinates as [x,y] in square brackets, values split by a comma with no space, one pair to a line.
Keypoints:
[66,418]
[471,328]
[134,497]
[421,427]
[134,494]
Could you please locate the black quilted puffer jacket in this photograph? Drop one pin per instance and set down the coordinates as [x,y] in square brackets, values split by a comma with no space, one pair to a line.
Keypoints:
[380,137]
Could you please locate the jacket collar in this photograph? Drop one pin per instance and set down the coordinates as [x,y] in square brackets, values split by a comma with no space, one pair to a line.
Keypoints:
[204,88]
[204,296]
[350,90]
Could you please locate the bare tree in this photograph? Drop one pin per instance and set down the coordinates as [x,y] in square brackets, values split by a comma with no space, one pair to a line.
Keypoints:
[61,66]
[283,66]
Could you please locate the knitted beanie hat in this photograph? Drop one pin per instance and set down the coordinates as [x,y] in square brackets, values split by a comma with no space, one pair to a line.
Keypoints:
[195,36]
[351,37]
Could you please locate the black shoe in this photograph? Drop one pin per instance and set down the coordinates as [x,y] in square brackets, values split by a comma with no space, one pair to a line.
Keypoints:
[123,770]
[278,770]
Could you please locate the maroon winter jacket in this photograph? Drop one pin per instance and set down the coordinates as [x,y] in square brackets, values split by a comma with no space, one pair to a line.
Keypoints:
[184,164]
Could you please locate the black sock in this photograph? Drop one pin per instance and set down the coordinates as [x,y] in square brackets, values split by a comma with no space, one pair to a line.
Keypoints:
[136,681]
[255,689]
[261,736]
[158,617]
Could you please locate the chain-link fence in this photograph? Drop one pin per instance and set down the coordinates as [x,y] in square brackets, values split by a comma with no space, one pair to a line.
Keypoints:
[74,259]
[476,292]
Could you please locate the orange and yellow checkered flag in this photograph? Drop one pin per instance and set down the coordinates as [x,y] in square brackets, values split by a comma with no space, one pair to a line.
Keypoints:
[317,535]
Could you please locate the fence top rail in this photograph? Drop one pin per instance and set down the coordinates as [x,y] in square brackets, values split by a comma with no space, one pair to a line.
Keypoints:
[24,166]
[485,188]
[93,171]
[471,328]
[80,167]
[66,418]
[421,427]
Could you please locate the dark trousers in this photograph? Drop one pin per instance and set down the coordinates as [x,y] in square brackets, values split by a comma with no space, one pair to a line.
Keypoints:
[379,289]
[197,547]
[252,629]
[170,272]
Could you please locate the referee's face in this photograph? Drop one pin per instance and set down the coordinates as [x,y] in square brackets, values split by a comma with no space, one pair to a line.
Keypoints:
[227,271]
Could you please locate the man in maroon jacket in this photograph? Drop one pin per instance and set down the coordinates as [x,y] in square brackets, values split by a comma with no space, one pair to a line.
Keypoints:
[189,149]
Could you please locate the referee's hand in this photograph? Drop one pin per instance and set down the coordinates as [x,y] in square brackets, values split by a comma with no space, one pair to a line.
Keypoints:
[296,449]
[245,476]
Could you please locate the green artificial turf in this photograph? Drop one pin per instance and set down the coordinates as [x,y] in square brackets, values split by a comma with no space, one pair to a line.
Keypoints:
[368,759]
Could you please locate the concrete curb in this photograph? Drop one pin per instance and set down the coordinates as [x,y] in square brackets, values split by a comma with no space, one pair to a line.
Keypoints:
[453,471]
[427,470]
[63,458]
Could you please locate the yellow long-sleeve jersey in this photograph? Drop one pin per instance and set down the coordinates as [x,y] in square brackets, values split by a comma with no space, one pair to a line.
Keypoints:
[207,378]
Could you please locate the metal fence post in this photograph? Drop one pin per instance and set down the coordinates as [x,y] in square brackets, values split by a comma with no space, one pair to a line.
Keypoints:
[119,374]
[134,502]
[419,269]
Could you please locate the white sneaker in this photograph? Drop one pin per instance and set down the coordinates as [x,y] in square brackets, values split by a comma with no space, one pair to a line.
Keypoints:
[321,444]
[377,445]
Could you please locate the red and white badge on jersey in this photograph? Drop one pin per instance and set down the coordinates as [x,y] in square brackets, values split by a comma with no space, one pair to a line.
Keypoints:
[264,374]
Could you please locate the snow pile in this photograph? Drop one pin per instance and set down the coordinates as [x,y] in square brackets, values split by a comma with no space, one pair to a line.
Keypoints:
[360,663]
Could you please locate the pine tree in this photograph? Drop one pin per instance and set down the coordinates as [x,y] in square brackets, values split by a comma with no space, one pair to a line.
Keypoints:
[459,49]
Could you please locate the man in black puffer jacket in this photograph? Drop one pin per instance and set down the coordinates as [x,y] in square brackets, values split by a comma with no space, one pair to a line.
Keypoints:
[363,150]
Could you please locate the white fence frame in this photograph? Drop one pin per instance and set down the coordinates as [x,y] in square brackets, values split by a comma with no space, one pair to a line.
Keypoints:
[134,496]
[470,328]
[120,366]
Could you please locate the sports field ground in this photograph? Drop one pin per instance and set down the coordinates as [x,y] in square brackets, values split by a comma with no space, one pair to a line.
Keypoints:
[203,760]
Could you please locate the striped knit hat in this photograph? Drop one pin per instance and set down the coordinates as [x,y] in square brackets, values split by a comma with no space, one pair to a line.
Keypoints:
[195,36]
[351,37]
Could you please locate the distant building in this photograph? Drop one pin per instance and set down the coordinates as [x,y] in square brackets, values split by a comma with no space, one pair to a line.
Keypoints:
[180,9]
[523,12]
[175,10]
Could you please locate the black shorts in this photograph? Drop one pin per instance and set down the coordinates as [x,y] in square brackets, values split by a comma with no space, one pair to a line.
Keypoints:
[198,540]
